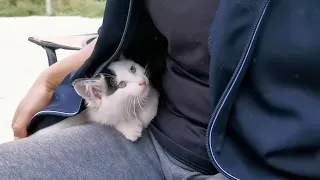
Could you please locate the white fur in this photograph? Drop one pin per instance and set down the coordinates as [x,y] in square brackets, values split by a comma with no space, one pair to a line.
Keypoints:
[129,109]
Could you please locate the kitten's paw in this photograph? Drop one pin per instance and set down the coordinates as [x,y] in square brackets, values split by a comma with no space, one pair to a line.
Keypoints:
[131,132]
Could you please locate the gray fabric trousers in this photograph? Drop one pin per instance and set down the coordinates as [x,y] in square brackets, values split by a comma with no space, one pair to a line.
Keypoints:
[91,152]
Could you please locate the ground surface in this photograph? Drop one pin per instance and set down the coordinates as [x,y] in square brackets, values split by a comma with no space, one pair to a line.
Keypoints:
[21,61]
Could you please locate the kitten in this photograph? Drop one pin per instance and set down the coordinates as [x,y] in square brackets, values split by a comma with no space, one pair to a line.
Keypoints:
[126,100]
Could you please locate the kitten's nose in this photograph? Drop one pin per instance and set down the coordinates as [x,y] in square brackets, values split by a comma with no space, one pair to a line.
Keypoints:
[144,83]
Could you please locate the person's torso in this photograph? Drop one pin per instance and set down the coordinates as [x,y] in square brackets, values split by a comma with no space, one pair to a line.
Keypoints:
[185,107]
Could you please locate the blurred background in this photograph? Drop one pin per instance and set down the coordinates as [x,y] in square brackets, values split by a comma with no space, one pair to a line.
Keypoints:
[20,60]
[84,8]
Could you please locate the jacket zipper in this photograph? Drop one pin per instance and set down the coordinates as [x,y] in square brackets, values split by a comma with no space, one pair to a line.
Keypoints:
[232,85]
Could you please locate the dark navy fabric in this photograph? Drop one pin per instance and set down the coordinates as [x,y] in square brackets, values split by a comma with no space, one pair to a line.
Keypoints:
[274,124]
[264,83]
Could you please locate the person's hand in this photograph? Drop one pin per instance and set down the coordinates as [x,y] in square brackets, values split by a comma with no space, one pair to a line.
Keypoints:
[37,98]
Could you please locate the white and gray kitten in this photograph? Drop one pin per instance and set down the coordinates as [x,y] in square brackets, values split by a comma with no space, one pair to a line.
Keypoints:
[126,100]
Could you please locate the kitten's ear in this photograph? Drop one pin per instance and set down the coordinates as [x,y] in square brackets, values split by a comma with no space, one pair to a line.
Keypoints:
[91,90]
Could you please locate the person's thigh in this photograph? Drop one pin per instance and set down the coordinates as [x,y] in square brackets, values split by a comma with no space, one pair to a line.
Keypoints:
[85,152]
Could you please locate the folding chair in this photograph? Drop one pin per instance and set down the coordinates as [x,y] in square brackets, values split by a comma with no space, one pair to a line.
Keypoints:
[71,42]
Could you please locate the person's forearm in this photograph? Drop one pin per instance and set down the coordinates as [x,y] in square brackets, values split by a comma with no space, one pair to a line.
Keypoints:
[56,73]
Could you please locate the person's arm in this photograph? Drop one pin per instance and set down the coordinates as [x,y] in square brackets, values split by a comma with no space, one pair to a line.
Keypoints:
[41,92]
[55,74]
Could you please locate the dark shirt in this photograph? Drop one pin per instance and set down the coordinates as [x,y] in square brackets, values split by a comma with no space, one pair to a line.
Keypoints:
[183,115]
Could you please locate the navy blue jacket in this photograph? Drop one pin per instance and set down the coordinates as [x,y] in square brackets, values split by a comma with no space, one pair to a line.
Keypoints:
[264,80]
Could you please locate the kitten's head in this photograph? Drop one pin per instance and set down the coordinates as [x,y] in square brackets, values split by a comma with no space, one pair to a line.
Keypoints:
[130,78]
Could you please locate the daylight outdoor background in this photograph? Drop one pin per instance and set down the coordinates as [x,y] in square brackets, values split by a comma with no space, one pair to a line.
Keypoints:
[20,60]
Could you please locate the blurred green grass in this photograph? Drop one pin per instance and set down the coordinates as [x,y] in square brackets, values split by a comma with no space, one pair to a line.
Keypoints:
[84,8]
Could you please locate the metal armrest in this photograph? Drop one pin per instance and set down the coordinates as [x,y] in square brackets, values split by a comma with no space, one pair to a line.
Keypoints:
[72,42]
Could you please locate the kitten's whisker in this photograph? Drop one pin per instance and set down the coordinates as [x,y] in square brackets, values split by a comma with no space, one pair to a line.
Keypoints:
[134,107]
[148,73]
[147,70]
[86,76]
[127,108]
[147,66]
[138,98]
[131,104]
[143,99]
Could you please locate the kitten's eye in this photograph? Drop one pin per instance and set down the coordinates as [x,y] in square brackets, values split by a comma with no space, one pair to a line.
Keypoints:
[133,69]
[122,84]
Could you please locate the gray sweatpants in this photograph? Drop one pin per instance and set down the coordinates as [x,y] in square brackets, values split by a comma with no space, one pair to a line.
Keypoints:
[91,152]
